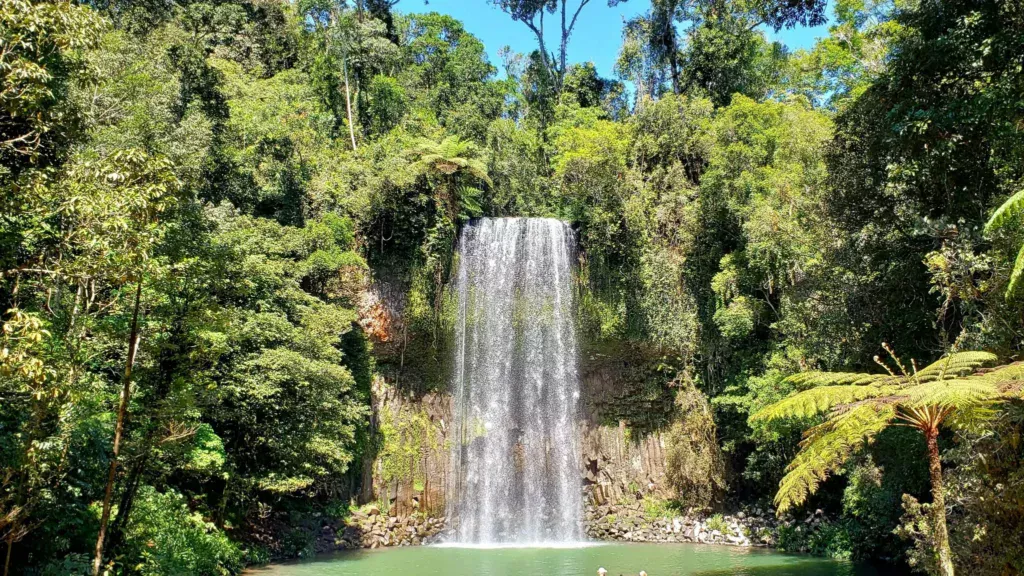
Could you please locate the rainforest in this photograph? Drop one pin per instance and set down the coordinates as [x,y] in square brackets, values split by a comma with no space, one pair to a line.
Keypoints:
[287,278]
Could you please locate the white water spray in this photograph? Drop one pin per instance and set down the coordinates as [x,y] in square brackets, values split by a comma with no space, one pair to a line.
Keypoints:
[516,386]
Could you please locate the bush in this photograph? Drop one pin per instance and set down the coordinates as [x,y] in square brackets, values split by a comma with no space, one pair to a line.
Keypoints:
[165,538]
[655,508]
[831,539]
[693,464]
[70,565]
[717,522]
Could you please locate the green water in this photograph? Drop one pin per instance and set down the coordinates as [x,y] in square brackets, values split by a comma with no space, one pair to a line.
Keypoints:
[655,559]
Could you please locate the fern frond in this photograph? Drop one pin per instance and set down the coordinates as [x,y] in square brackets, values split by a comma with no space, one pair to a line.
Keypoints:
[960,394]
[1005,373]
[1008,379]
[805,380]
[954,365]
[827,446]
[817,400]
[1013,206]
[971,418]
[1015,276]
[1012,389]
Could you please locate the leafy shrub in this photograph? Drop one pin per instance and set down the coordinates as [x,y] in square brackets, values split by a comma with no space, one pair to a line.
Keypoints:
[257,556]
[831,539]
[70,565]
[717,522]
[165,538]
[655,508]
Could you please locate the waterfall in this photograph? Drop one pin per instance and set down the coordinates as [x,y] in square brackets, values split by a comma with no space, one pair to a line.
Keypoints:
[515,383]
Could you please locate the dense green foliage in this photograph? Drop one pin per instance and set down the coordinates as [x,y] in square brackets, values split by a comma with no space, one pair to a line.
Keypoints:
[267,195]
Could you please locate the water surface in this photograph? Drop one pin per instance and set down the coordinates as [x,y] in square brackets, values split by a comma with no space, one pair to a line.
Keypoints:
[655,559]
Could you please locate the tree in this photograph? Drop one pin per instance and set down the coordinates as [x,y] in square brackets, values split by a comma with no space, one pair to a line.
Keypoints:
[448,76]
[39,63]
[531,13]
[842,65]
[639,60]
[724,55]
[719,50]
[452,167]
[354,41]
[949,392]
[921,158]
[136,188]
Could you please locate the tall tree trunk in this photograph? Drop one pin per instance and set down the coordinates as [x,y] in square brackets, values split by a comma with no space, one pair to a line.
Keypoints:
[562,49]
[348,104]
[7,561]
[122,411]
[939,504]
[115,534]
[673,50]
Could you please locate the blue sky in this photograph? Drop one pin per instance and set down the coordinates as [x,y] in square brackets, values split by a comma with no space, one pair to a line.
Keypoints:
[597,36]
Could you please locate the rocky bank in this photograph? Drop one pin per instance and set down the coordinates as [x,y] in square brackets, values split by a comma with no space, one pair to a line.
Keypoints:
[369,528]
[631,523]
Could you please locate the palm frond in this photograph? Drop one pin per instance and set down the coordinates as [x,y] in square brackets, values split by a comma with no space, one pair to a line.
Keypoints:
[1013,206]
[826,448]
[954,365]
[817,400]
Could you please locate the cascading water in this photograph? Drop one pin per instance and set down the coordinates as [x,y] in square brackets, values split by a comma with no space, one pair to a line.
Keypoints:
[515,383]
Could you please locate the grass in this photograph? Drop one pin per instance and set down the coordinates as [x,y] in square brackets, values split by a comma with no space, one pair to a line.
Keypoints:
[717,522]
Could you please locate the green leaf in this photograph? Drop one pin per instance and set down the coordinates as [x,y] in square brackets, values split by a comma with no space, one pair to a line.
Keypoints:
[812,379]
[951,394]
[826,448]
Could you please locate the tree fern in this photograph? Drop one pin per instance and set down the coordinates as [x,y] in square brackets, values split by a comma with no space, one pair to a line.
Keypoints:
[448,164]
[954,390]
[1003,215]
[1012,207]
[950,394]
[1016,274]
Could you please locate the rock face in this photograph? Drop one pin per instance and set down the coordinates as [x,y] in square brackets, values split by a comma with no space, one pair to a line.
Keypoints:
[623,453]
[368,528]
[413,477]
[616,462]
